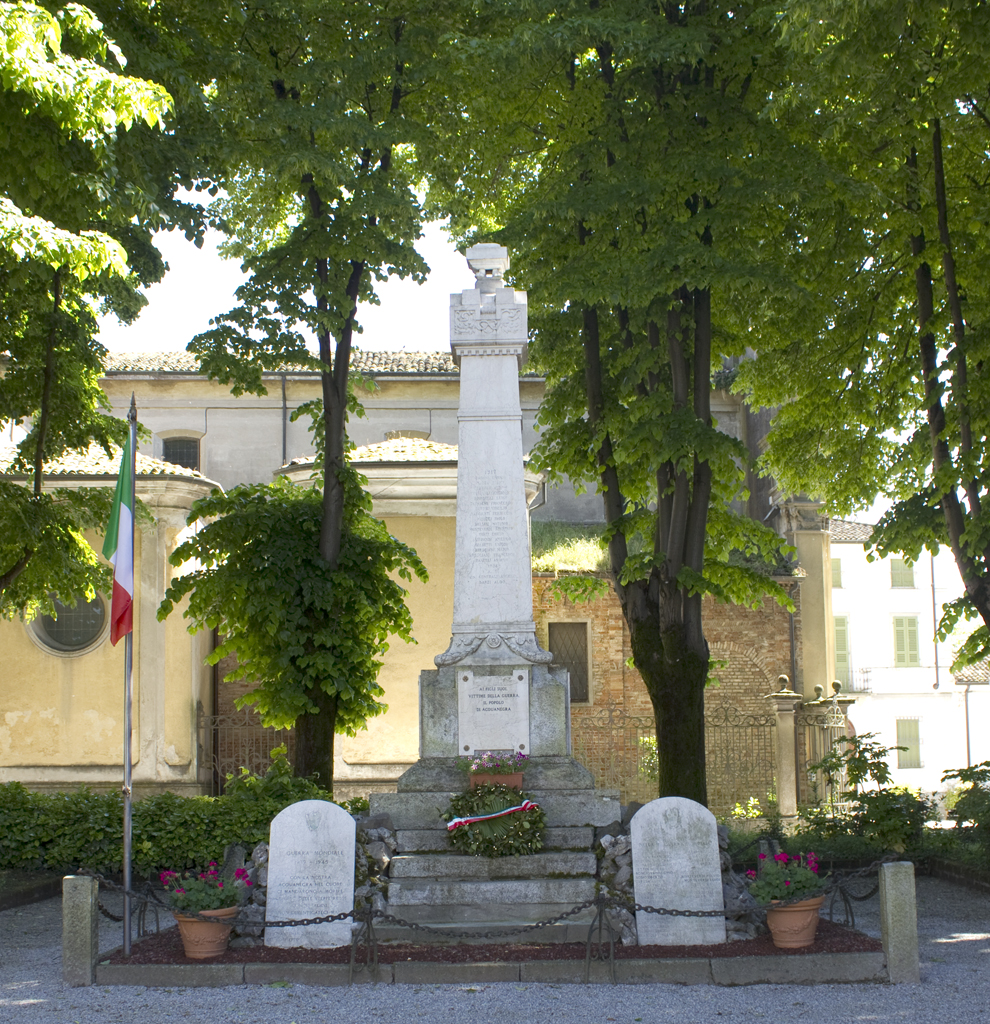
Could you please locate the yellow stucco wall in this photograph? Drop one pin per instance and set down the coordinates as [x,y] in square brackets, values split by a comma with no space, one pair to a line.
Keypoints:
[393,738]
[61,717]
[62,711]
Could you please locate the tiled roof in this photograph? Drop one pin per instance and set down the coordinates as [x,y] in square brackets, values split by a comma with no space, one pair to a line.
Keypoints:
[843,531]
[398,449]
[95,462]
[978,673]
[405,449]
[403,362]
[151,362]
[366,362]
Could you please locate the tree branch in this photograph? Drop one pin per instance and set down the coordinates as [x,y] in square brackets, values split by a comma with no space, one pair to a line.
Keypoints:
[960,382]
[16,569]
[941,457]
[48,379]
[612,494]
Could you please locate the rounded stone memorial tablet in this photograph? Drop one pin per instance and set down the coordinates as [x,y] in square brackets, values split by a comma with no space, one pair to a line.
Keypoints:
[676,865]
[310,873]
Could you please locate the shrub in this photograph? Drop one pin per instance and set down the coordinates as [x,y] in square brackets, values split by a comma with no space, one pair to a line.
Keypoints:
[83,829]
[971,810]
[892,819]
[886,819]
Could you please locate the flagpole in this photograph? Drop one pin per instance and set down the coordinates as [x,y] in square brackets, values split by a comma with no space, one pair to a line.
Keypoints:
[128,700]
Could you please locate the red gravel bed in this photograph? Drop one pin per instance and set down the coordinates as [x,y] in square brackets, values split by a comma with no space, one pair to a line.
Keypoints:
[166,948]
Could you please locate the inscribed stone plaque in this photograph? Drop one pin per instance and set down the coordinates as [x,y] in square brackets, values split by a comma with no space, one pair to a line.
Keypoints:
[676,865]
[310,873]
[493,711]
[493,571]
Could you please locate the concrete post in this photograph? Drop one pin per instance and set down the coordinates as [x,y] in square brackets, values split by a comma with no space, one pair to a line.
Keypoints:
[786,702]
[899,922]
[80,929]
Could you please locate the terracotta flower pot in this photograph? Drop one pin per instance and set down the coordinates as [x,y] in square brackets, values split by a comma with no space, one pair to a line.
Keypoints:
[204,939]
[513,781]
[794,925]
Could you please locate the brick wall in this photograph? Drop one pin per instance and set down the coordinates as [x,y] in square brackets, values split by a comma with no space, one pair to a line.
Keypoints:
[752,648]
[749,647]
[754,645]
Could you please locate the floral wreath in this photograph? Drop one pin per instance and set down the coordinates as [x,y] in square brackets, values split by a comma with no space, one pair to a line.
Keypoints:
[494,821]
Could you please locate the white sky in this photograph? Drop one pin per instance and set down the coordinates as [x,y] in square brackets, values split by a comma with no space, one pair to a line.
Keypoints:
[199,285]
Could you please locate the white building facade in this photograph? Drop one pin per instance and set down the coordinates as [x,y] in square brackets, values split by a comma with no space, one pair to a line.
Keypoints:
[885,614]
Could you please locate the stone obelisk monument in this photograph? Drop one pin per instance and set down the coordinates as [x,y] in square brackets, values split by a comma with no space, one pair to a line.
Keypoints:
[493,643]
[494,687]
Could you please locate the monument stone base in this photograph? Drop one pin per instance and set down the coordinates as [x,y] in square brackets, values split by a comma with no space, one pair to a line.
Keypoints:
[430,884]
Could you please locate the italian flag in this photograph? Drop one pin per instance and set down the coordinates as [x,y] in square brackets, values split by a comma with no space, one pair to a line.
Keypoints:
[118,548]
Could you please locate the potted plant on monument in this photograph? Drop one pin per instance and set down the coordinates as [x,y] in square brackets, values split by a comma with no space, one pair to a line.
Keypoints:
[780,886]
[198,897]
[495,767]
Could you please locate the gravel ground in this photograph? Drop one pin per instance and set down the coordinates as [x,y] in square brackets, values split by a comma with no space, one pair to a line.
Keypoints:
[954,932]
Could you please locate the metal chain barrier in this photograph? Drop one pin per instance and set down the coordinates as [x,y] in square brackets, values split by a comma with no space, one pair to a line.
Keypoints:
[366,936]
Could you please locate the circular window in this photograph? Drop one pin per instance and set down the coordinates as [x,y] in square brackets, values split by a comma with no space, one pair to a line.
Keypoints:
[72,630]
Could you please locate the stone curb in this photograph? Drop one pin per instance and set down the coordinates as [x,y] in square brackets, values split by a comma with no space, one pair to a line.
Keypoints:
[823,969]
[30,890]
[960,874]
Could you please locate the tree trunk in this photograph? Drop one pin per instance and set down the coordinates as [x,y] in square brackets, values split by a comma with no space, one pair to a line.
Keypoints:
[314,730]
[314,733]
[668,645]
[675,678]
[952,510]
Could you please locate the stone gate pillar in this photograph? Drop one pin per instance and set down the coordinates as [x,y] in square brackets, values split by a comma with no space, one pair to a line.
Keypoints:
[786,703]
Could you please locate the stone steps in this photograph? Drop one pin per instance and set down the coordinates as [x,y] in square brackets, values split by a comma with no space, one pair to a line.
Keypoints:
[564,808]
[489,899]
[431,885]
[573,929]
[484,895]
[450,866]
[436,840]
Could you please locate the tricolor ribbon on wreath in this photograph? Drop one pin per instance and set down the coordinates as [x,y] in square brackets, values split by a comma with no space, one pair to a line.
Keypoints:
[526,805]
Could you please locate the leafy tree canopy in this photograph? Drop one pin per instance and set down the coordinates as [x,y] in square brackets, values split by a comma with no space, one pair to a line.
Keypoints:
[623,163]
[878,363]
[302,630]
[77,206]
[319,109]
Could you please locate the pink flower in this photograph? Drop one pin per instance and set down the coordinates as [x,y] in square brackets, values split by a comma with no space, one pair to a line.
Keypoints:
[787,881]
[763,856]
[751,874]
[219,885]
[247,881]
[781,857]
[180,890]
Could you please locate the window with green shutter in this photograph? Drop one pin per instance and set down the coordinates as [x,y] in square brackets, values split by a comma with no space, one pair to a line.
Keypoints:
[909,737]
[837,572]
[842,650]
[906,642]
[901,574]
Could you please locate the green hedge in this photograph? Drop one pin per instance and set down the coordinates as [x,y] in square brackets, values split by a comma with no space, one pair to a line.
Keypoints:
[82,829]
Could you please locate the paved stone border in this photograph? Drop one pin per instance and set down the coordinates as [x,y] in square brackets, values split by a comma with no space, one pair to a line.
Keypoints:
[961,874]
[19,888]
[824,968]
